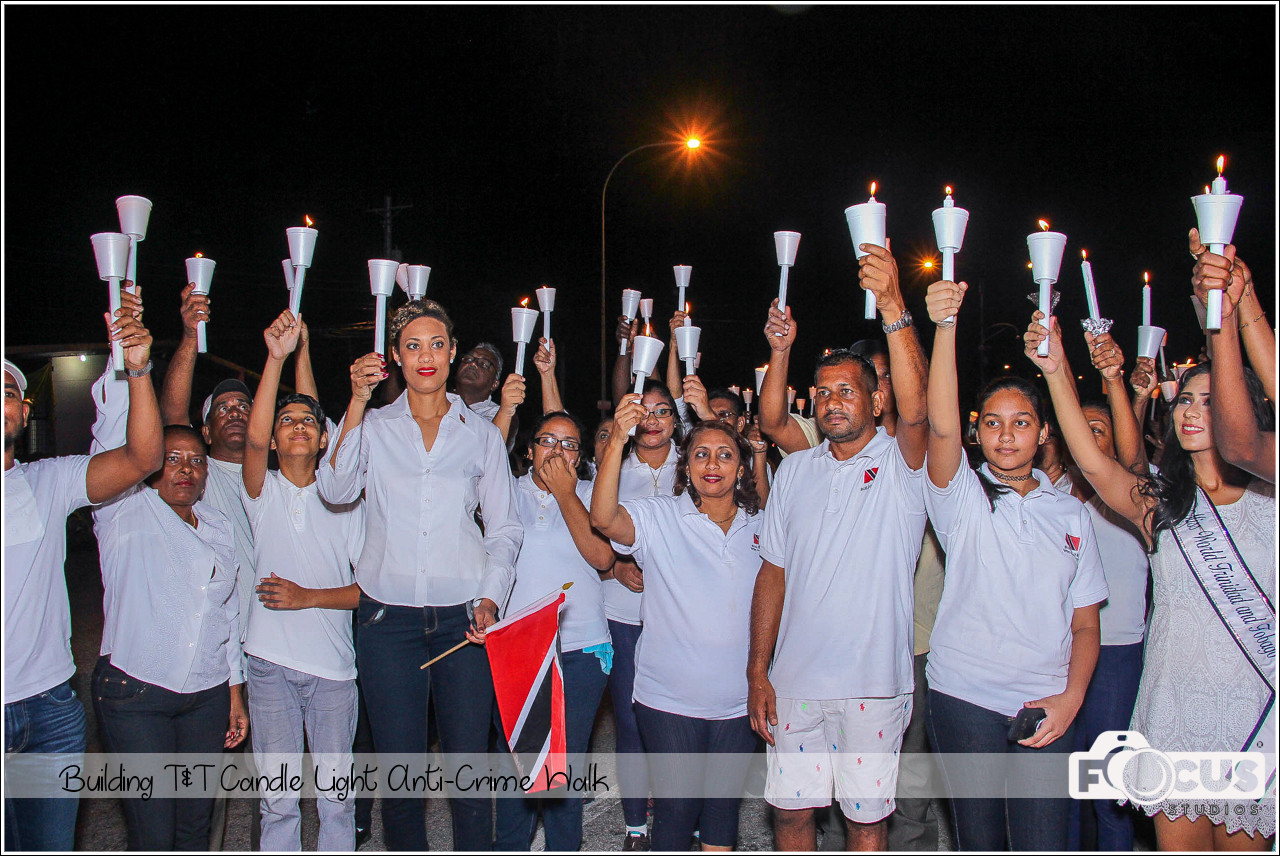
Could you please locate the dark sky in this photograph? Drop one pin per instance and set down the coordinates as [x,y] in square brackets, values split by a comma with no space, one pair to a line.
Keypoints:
[499,125]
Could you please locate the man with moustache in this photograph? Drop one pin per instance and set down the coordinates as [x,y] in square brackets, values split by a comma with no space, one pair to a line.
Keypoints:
[840,540]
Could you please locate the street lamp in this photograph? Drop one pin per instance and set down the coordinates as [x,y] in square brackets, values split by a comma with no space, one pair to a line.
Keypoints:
[689,143]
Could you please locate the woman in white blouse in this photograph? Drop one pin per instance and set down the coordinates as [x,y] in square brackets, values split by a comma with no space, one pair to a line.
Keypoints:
[429,577]
[699,550]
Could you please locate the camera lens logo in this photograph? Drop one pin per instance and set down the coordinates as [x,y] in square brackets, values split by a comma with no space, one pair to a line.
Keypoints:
[1122,765]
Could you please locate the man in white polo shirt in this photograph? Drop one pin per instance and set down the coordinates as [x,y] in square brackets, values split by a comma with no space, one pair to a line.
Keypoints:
[833,601]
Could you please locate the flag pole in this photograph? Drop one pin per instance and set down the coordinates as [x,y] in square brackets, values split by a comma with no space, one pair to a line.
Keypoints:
[440,657]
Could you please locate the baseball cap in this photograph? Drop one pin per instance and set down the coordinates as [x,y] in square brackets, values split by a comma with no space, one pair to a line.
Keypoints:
[229,385]
[17,375]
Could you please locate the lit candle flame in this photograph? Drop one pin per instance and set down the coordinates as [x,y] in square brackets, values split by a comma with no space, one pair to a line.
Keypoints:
[307,221]
[948,190]
[1084,254]
[686,307]
[1030,266]
[1044,225]
[873,188]
[525,303]
[1206,188]
[1146,278]
[1222,159]
[199,255]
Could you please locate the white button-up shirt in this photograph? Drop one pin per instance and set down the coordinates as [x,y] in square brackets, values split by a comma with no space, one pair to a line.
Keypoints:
[170,611]
[222,490]
[848,534]
[422,545]
[302,538]
[1015,577]
[487,408]
[637,479]
[549,559]
[691,659]
[37,617]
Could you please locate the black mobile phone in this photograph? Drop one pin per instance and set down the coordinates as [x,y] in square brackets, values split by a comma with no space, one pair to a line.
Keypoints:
[1026,723]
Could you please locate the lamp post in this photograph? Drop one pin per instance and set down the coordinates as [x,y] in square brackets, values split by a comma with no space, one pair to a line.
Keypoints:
[691,143]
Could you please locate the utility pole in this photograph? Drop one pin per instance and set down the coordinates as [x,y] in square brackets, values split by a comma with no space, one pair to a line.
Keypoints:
[387,211]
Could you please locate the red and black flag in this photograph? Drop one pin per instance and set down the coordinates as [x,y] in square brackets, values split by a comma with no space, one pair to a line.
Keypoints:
[524,656]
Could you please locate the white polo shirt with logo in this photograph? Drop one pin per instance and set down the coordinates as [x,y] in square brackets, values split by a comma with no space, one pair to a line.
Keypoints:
[1015,576]
[637,479]
[848,534]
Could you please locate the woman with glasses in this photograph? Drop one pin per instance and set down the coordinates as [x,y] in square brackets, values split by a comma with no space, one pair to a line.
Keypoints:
[429,577]
[700,553]
[647,469]
[561,547]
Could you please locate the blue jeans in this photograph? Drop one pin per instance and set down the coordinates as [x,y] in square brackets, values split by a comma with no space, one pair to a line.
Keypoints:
[393,642]
[696,741]
[1108,706]
[135,716]
[1014,822]
[633,768]
[584,681]
[283,705]
[51,721]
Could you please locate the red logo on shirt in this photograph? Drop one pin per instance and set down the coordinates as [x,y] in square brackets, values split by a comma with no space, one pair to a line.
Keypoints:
[755,543]
[868,476]
[1073,545]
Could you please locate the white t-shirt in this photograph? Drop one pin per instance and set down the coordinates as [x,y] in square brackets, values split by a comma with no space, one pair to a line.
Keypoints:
[691,659]
[37,616]
[637,479]
[549,559]
[487,408]
[848,535]
[1015,576]
[1126,566]
[300,537]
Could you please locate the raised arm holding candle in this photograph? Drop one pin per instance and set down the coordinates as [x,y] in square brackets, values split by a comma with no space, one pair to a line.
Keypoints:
[546,303]
[949,223]
[785,244]
[643,361]
[200,274]
[1216,213]
[302,245]
[1046,250]
[111,251]
[382,282]
[135,212]
[867,226]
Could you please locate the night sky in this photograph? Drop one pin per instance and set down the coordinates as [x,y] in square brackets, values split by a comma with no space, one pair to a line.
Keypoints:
[499,125]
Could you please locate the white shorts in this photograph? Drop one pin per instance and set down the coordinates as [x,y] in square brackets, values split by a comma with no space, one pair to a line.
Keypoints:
[849,745]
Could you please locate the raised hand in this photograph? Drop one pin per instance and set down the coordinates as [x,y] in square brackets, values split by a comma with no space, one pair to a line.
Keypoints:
[1106,355]
[127,329]
[1218,272]
[512,395]
[780,329]
[695,396]
[677,320]
[943,300]
[630,413]
[366,373]
[626,330]
[1144,378]
[544,359]
[878,273]
[195,308]
[282,336]
[1035,335]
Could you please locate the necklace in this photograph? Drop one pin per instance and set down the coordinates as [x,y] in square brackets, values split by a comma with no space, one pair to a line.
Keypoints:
[726,520]
[1010,478]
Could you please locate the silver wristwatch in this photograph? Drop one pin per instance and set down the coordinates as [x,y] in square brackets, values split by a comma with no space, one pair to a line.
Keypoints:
[901,324]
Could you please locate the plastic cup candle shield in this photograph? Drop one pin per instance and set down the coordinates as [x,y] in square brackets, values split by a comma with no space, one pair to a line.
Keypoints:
[643,362]
[302,245]
[867,226]
[546,304]
[111,251]
[785,244]
[1168,389]
[747,396]
[791,398]
[1046,250]
[760,373]
[949,223]
[416,281]
[287,264]
[683,272]
[200,272]
[1216,214]
[646,313]
[1149,341]
[523,321]
[382,282]
[687,344]
[402,277]
[135,213]
[630,304]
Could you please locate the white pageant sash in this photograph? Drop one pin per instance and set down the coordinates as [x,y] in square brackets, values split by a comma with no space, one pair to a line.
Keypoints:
[1242,606]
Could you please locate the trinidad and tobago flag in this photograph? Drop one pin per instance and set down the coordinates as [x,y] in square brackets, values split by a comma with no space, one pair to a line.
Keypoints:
[524,656]
[1073,543]
[868,476]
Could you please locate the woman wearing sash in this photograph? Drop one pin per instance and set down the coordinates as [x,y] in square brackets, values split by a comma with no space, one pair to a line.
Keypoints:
[1206,686]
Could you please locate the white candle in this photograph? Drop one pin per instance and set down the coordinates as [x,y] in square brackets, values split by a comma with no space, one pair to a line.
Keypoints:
[688,321]
[1046,307]
[735,390]
[791,398]
[1146,299]
[1090,294]
[380,325]
[547,303]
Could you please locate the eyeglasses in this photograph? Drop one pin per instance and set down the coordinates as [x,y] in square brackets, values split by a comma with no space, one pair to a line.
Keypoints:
[546,441]
[661,412]
[726,415]
[483,363]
